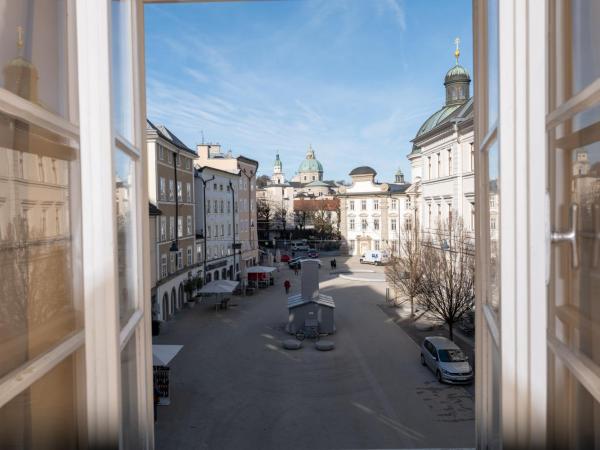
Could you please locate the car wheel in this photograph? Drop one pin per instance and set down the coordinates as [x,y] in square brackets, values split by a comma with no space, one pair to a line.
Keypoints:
[438,375]
[422,359]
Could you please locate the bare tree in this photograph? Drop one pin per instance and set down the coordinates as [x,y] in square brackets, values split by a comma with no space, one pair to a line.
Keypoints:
[264,214]
[405,270]
[447,288]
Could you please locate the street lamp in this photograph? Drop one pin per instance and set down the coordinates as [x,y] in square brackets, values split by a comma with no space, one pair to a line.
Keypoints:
[204,183]
[174,249]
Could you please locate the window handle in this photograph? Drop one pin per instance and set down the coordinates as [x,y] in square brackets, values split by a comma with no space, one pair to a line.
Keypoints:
[595,235]
[570,236]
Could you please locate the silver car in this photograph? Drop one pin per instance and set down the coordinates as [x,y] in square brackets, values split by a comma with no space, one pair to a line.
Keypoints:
[446,360]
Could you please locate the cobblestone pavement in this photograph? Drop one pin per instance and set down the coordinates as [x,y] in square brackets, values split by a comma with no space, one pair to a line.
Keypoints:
[234,387]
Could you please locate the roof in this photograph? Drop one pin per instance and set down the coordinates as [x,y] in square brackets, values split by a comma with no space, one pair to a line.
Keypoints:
[398,188]
[318,183]
[296,300]
[153,210]
[445,116]
[168,135]
[310,165]
[363,170]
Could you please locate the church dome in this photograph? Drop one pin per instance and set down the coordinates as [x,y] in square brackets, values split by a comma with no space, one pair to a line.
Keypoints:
[310,164]
[457,74]
[363,170]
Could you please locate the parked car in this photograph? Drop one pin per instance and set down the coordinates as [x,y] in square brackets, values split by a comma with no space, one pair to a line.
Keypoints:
[312,253]
[376,257]
[285,258]
[447,361]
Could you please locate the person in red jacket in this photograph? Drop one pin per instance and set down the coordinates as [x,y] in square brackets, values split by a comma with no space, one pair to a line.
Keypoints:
[287,285]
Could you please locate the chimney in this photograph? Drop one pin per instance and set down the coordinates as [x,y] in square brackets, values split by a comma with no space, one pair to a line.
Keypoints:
[310,279]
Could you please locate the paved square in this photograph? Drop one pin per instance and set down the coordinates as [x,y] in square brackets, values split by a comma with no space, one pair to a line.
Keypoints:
[235,387]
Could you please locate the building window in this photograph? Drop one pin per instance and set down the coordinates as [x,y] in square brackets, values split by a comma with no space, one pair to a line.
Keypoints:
[179,191]
[171,190]
[449,161]
[216,206]
[439,165]
[363,205]
[228,206]
[394,204]
[351,205]
[180,259]
[376,224]
[189,256]
[393,223]
[179,227]
[439,215]
[222,207]
[429,216]
[177,159]
[172,260]
[364,224]
[222,230]
[429,167]
[208,231]
[208,207]
[351,224]
[228,229]
[472,158]
[163,266]
[163,188]
[449,213]
[161,153]
[198,253]
[221,187]
[163,229]
[375,204]
[188,188]
[376,244]
[189,225]
[171,227]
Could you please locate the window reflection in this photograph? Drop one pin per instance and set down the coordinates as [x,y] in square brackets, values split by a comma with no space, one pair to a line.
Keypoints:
[492,57]
[33,52]
[124,197]
[494,227]
[38,305]
[122,73]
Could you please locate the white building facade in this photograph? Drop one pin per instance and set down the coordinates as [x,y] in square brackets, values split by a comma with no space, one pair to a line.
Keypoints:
[443,159]
[217,222]
[373,214]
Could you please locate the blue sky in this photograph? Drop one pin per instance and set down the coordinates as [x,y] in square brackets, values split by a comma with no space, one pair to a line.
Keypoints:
[354,78]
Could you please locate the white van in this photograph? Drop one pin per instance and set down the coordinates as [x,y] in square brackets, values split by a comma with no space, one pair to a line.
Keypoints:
[300,246]
[376,257]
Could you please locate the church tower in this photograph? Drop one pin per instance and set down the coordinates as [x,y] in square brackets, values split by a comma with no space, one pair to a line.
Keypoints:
[278,176]
[457,82]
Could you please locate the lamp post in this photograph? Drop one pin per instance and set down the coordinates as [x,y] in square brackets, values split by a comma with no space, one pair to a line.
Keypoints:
[283,212]
[204,182]
[233,245]
[175,245]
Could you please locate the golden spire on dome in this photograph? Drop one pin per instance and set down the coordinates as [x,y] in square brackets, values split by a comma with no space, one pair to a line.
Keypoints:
[457,51]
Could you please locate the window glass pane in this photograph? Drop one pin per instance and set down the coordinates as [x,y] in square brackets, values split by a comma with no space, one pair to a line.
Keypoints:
[585,36]
[122,73]
[125,199]
[492,55]
[38,304]
[129,396]
[33,52]
[45,415]
[494,226]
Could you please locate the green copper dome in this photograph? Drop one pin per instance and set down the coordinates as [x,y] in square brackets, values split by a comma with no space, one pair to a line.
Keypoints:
[457,74]
[277,162]
[310,164]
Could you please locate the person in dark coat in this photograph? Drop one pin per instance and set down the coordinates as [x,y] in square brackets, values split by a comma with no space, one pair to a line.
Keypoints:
[287,285]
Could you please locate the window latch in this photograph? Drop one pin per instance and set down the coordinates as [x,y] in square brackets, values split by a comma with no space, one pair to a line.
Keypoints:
[569,236]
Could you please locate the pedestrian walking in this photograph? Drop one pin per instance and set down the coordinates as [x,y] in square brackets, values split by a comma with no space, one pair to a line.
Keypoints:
[296,270]
[287,285]
[334,263]
[331,264]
